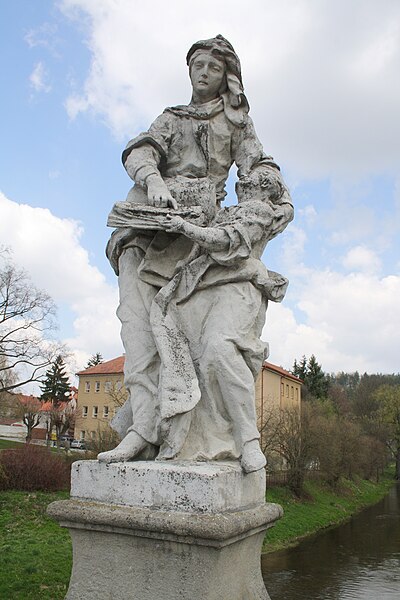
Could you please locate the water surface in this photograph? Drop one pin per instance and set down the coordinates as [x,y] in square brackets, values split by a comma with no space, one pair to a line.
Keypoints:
[359,560]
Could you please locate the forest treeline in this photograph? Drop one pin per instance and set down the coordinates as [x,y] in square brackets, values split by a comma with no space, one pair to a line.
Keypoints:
[348,426]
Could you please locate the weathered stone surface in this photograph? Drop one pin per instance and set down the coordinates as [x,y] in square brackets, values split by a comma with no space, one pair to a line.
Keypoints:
[185,531]
[193,288]
[128,553]
[170,485]
[215,530]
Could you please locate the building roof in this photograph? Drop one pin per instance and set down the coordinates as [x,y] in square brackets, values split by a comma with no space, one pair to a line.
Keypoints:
[280,371]
[109,367]
[116,365]
[26,397]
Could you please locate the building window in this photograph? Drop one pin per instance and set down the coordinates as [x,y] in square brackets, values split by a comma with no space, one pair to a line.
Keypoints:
[287,390]
[282,389]
[292,392]
[105,412]
[85,411]
[107,386]
[95,412]
[87,386]
[97,386]
[83,433]
[297,393]
[118,385]
[93,434]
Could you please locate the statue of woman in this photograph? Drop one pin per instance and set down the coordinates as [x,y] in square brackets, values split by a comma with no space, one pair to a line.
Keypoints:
[193,297]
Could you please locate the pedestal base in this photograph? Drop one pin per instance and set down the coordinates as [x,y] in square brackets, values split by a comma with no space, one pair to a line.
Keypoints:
[145,553]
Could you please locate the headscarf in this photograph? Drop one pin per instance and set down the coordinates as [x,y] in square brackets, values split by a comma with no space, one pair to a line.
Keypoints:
[235,101]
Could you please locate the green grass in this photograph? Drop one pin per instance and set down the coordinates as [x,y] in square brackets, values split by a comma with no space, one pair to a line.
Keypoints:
[36,555]
[322,509]
[10,444]
[4,444]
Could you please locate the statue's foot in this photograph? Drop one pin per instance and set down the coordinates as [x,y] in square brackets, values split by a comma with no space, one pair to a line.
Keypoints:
[131,446]
[252,458]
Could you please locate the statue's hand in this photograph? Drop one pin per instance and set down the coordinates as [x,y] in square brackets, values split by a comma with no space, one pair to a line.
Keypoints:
[272,183]
[158,194]
[174,224]
[115,244]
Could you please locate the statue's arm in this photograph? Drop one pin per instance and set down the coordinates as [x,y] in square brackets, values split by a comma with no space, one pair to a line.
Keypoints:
[210,238]
[250,159]
[142,158]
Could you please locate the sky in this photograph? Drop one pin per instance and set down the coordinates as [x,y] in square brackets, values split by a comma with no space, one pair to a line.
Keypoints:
[79,78]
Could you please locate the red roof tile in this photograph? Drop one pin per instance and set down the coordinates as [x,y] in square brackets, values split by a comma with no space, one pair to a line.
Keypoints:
[280,371]
[26,397]
[116,365]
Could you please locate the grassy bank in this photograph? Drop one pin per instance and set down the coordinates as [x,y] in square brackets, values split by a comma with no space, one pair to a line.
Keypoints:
[36,555]
[4,444]
[323,508]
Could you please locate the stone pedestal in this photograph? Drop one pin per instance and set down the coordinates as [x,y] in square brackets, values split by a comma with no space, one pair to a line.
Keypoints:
[166,531]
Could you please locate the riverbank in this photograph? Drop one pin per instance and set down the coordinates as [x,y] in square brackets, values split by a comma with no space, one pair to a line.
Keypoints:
[321,509]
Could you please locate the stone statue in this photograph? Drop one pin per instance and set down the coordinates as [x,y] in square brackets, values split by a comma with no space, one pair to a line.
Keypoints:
[193,289]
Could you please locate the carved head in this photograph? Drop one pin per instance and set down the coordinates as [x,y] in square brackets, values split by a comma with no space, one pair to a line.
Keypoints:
[207,74]
[218,53]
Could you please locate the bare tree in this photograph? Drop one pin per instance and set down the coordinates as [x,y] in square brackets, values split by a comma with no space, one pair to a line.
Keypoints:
[27,320]
[295,443]
[268,426]
[388,397]
[339,448]
[30,411]
[105,439]
[117,393]
[60,417]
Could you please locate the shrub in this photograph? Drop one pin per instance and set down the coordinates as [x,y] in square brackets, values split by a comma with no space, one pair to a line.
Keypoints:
[32,468]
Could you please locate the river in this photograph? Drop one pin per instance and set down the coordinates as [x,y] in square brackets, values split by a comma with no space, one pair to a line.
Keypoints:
[359,560]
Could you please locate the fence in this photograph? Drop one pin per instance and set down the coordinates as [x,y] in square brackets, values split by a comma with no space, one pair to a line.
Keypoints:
[280,478]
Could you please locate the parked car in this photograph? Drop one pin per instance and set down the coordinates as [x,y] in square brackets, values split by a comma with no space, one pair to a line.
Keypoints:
[66,440]
[79,444]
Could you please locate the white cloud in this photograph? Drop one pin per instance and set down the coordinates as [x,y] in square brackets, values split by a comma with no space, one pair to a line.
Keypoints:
[350,322]
[294,242]
[322,77]
[46,36]
[38,78]
[49,249]
[363,259]
[308,213]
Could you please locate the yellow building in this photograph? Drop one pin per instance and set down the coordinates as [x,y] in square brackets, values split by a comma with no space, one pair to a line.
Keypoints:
[101,392]
[276,388]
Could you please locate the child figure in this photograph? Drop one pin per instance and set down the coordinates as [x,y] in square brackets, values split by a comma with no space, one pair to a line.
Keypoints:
[207,322]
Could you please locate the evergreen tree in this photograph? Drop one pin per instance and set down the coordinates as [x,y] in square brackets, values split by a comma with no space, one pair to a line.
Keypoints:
[316,380]
[316,383]
[94,360]
[300,369]
[56,387]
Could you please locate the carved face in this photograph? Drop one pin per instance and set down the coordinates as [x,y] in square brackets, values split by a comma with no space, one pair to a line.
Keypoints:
[207,75]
